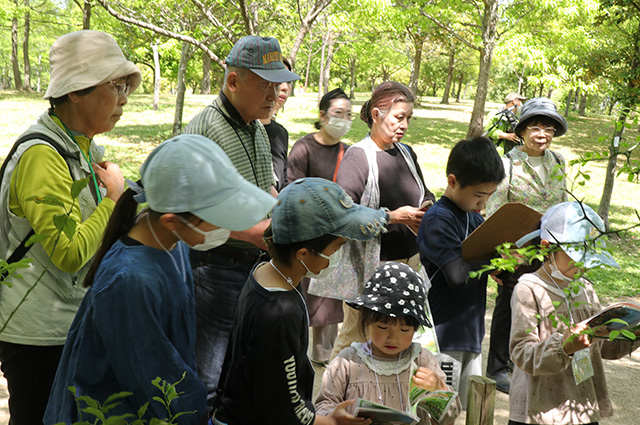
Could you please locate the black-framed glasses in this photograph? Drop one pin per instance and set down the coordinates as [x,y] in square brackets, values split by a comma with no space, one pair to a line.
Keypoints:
[548,131]
[123,88]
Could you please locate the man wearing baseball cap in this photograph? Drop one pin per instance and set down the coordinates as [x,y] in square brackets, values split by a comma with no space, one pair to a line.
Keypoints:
[500,124]
[254,71]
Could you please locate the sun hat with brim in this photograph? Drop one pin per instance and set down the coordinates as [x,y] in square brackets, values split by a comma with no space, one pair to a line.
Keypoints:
[576,227]
[312,207]
[262,55]
[513,96]
[541,107]
[395,290]
[87,58]
[190,173]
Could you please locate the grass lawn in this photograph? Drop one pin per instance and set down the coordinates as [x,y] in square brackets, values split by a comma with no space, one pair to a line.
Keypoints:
[433,132]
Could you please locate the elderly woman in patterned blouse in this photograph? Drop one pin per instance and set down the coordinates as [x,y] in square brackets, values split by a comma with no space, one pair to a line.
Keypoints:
[535,176]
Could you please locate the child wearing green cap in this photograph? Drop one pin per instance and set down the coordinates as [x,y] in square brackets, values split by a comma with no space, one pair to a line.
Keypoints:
[558,376]
[268,378]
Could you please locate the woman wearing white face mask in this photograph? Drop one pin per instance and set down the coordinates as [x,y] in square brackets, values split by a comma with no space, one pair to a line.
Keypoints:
[319,155]
[137,320]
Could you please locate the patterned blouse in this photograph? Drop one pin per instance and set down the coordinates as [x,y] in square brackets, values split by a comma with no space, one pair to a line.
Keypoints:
[523,184]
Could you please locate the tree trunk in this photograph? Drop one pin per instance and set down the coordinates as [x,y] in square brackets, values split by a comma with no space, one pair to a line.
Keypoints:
[26,86]
[568,105]
[610,176]
[352,71]
[327,62]
[582,111]
[460,81]
[434,87]
[86,15]
[17,80]
[206,75]
[447,87]
[306,76]
[180,91]
[541,89]
[305,26]
[550,92]
[321,68]
[612,102]
[576,99]
[489,39]
[156,76]
[418,43]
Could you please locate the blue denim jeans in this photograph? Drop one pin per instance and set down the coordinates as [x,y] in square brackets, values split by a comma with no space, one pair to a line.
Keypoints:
[218,281]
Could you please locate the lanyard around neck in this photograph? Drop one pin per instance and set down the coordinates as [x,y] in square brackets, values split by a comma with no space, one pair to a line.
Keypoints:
[89,160]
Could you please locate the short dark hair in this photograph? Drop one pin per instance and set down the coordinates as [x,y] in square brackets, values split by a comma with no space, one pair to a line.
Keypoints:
[282,252]
[55,101]
[369,317]
[475,161]
[325,102]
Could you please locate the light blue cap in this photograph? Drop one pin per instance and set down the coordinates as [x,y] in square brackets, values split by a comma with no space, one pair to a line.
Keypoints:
[190,173]
[578,229]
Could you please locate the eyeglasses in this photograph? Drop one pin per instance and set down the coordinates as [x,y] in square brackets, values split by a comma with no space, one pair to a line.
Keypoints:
[340,114]
[548,131]
[123,88]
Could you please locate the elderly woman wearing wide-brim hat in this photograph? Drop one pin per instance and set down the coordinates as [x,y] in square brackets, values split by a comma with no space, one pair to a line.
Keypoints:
[535,176]
[90,82]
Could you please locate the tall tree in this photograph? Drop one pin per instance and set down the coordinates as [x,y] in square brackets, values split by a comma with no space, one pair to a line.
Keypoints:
[26,86]
[485,22]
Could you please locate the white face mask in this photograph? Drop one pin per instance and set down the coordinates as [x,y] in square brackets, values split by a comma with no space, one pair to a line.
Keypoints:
[334,261]
[212,239]
[337,127]
[555,271]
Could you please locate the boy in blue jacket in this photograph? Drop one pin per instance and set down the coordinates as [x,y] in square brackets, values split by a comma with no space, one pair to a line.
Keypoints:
[458,302]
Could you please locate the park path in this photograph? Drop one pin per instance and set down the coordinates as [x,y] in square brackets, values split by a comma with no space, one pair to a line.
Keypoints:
[622,379]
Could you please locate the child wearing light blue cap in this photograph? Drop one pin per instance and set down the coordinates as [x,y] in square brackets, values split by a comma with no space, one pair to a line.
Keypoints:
[558,376]
[137,320]
[268,378]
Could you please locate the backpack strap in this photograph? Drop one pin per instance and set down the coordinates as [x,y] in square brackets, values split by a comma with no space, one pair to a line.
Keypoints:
[22,249]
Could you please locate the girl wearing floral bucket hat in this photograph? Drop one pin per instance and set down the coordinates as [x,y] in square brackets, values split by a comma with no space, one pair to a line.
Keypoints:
[381,370]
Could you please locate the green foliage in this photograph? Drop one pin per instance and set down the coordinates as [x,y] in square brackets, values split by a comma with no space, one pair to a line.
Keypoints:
[98,413]
[64,223]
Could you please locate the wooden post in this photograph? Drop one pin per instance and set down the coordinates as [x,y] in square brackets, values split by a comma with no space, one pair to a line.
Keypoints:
[481,400]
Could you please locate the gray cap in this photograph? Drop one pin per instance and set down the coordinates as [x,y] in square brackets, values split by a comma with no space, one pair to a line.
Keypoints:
[312,207]
[190,173]
[262,55]
[84,59]
[541,107]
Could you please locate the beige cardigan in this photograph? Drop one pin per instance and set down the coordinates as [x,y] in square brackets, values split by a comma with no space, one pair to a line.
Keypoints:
[543,389]
[349,377]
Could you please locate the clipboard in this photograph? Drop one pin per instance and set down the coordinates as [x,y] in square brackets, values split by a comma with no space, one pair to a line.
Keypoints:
[509,223]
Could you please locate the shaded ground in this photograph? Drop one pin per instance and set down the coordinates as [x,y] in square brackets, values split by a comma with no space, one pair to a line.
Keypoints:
[622,378]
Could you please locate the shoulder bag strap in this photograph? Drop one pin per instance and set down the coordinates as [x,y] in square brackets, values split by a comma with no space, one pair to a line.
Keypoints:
[338,161]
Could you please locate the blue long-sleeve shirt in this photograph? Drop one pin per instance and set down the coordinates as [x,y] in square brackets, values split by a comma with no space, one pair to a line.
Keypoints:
[136,323]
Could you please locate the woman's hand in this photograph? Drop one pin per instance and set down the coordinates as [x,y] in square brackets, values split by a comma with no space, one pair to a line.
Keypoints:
[573,340]
[428,380]
[111,178]
[411,216]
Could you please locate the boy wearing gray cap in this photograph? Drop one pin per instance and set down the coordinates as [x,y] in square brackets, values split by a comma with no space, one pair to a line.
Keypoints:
[268,378]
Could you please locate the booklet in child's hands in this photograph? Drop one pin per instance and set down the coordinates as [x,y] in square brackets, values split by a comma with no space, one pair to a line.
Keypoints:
[435,403]
[618,321]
